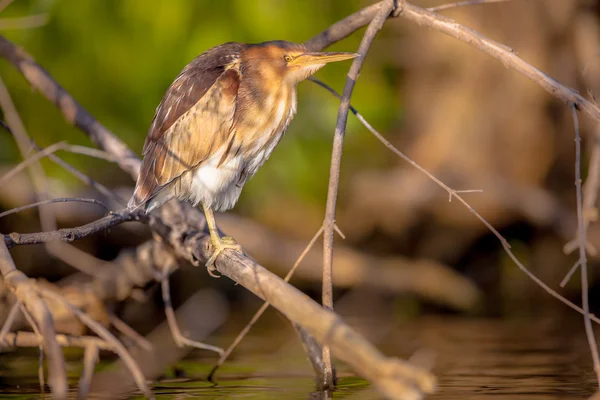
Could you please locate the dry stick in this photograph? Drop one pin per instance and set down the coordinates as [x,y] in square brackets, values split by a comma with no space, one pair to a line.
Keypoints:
[77,149]
[91,152]
[582,255]
[463,4]
[71,234]
[454,193]
[29,339]
[36,172]
[57,200]
[334,176]
[262,308]
[106,335]
[28,161]
[178,338]
[90,358]
[590,196]
[86,179]
[10,319]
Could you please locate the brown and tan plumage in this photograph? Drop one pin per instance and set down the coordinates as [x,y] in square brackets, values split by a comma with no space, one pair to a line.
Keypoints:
[218,123]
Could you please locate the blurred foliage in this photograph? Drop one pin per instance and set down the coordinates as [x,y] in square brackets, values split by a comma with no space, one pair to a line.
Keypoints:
[117,58]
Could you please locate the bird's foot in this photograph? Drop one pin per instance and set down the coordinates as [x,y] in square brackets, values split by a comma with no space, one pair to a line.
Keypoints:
[223,243]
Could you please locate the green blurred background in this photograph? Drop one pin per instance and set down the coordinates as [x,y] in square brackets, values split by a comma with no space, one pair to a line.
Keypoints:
[118,57]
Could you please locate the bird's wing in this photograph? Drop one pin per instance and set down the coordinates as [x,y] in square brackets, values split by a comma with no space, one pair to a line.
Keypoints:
[194,118]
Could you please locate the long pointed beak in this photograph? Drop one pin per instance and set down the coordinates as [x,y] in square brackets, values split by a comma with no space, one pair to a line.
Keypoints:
[315,58]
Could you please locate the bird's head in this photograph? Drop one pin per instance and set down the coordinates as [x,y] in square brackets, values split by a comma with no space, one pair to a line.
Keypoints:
[288,62]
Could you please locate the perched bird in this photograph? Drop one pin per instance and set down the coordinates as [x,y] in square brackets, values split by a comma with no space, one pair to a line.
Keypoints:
[218,123]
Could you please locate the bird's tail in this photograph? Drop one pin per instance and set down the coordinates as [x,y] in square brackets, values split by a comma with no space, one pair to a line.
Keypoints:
[145,188]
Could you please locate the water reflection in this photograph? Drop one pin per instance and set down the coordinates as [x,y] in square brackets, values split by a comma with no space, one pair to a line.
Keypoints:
[475,359]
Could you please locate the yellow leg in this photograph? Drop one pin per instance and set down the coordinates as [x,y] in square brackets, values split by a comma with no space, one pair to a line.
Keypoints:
[219,243]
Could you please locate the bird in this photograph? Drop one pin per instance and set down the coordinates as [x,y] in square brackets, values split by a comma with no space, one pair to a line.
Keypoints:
[218,123]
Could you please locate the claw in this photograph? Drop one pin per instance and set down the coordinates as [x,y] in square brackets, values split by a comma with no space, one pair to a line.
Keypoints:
[220,244]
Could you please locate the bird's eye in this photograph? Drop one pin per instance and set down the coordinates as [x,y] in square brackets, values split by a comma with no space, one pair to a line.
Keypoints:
[287,58]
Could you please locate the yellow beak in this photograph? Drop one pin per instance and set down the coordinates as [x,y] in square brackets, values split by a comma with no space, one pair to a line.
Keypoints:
[316,58]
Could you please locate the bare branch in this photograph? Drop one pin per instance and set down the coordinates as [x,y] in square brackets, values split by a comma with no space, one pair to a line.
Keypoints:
[28,339]
[29,161]
[10,319]
[51,201]
[71,234]
[90,358]
[178,338]
[334,174]
[459,4]
[77,149]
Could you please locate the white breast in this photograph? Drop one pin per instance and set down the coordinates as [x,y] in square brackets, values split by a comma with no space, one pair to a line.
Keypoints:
[220,186]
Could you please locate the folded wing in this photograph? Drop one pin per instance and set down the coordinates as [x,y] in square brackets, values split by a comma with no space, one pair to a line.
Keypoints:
[194,117]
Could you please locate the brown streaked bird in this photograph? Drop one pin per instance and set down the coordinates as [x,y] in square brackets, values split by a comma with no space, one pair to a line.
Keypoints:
[218,123]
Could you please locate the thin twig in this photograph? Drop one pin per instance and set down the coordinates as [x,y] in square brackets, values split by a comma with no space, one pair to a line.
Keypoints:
[582,254]
[129,332]
[10,319]
[572,271]
[57,200]
[590,196]
[40,339]
[29,339]
[178,338]
[37,175]
[463,4]
[72,148]
[90,358]
[334,176]
[71,234]
[84,178]
[262,308]
[29,161]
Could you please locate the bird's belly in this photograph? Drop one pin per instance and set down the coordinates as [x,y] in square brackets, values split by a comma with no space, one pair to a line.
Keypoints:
[217,186]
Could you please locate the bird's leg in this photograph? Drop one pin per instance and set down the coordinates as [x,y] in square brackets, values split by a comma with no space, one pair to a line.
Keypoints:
[219,243]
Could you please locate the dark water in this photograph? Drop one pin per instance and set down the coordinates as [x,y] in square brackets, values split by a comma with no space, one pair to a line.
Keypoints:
[475,359]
